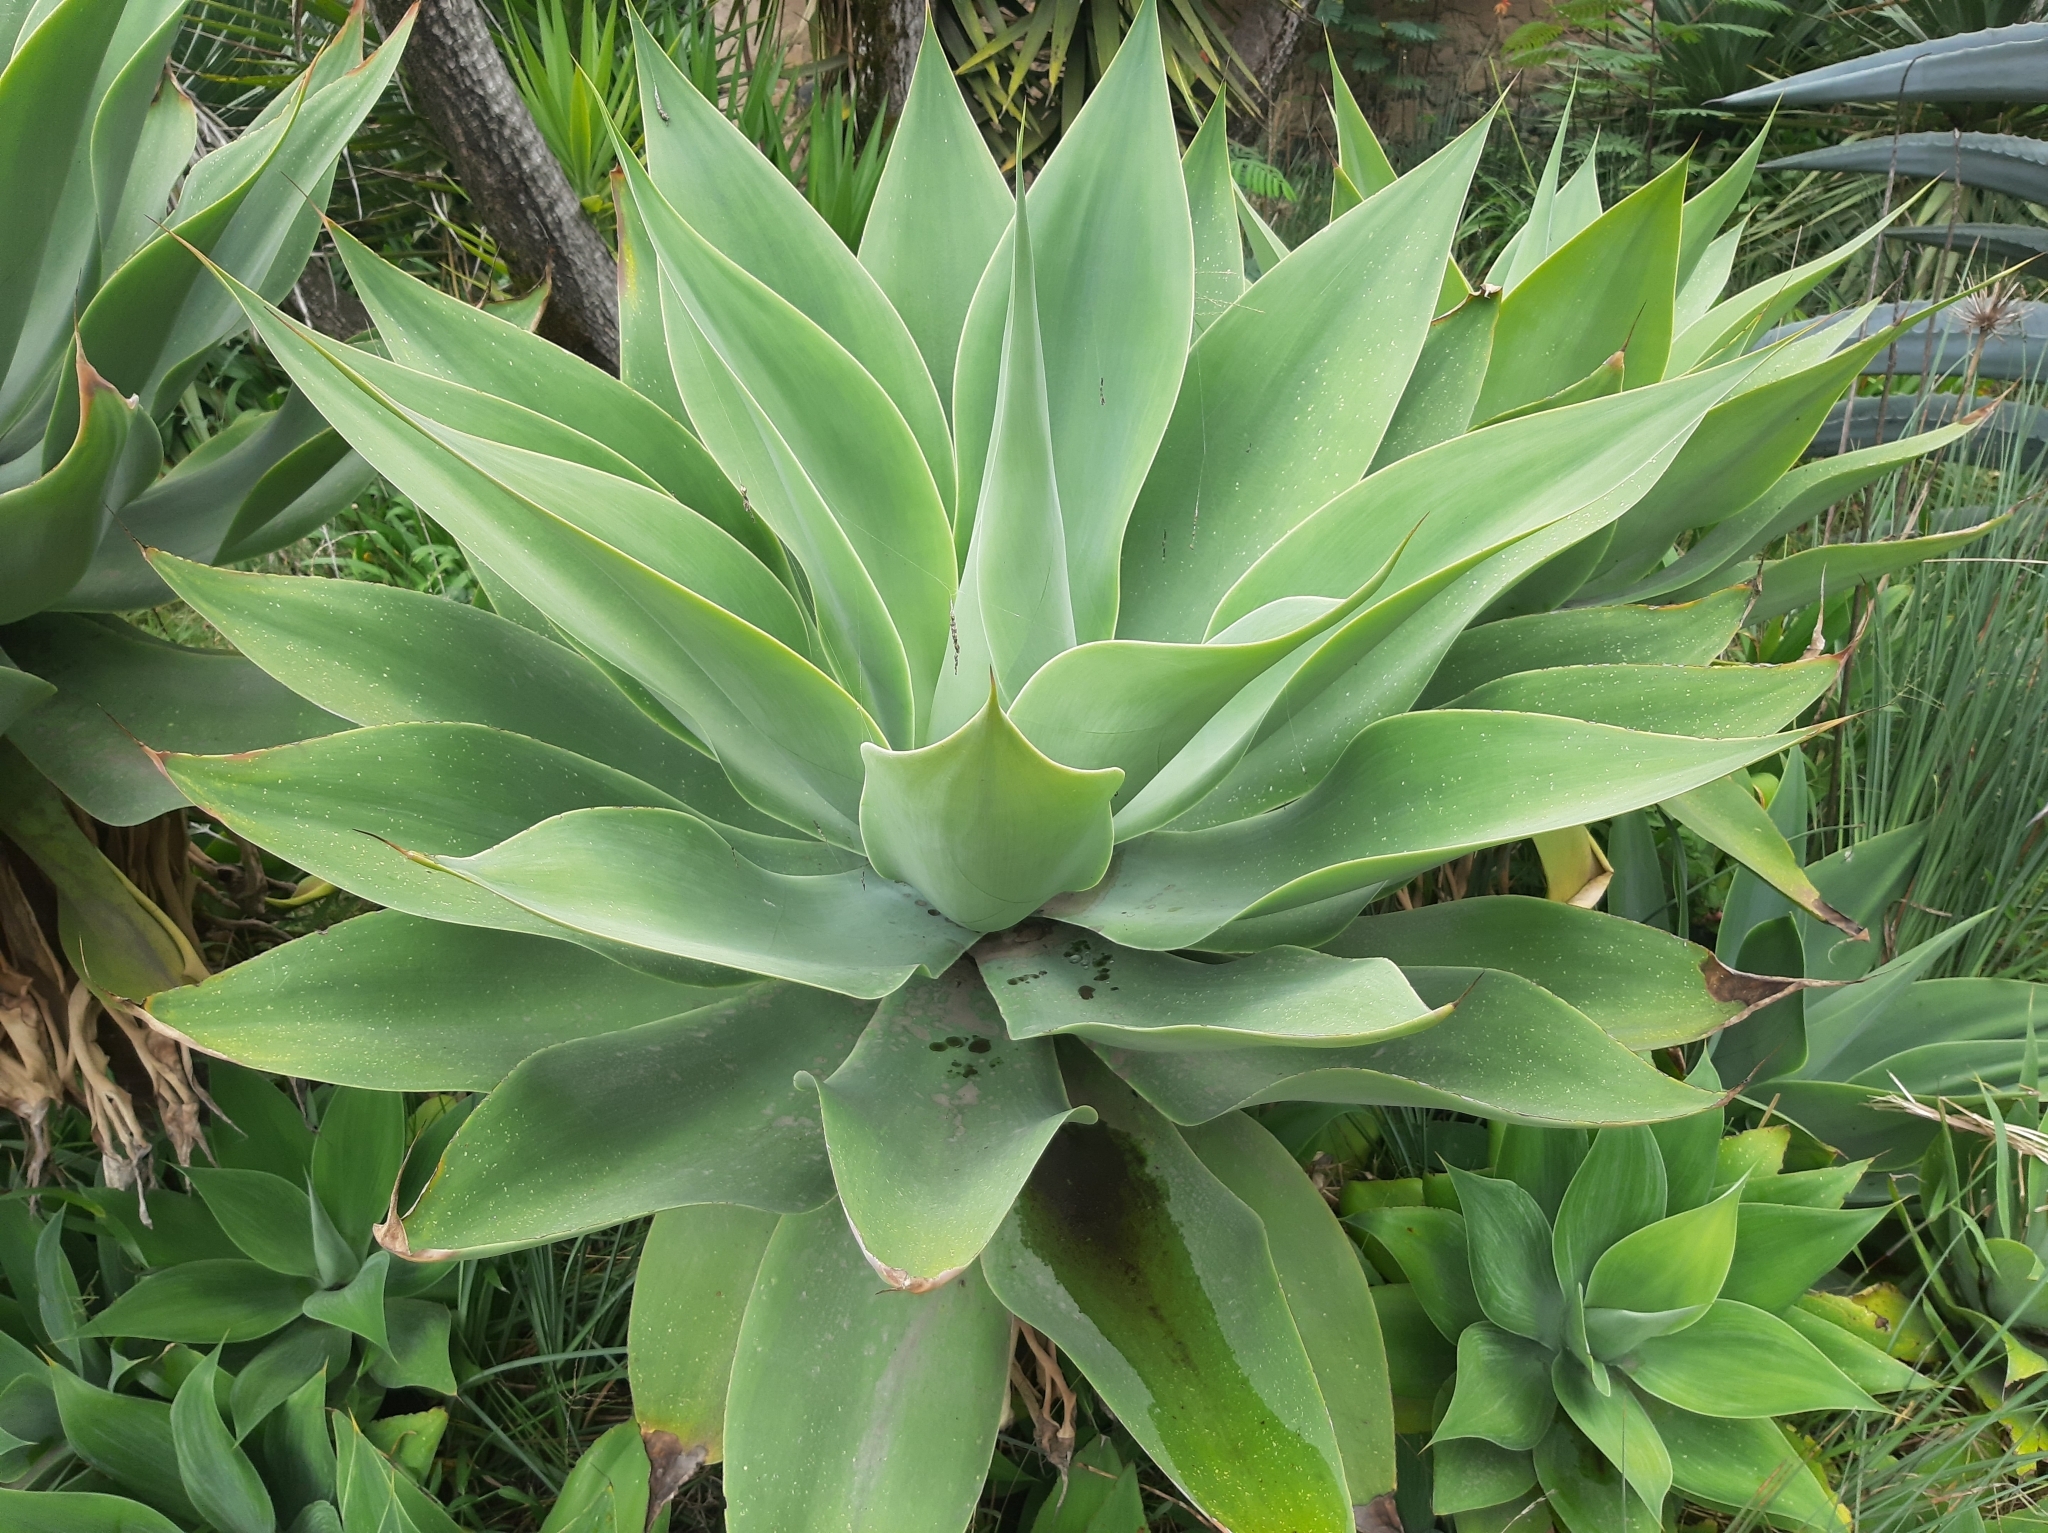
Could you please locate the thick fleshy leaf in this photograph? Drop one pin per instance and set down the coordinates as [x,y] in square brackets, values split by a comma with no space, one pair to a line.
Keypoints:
[983,824]
[338,806]
[1014,612]
[1618,1189]
[829,462]
[1428,1244]
[690,1289]
[750,212]
[217,1474]
[1584,1490]
[667,882]
[1115,261]
[264,1215]
[939,211]
[205,1303]
[432,332]
[1504,1394]
[126,1438]
[1509,1049]
[116,685]
[1736,1360]
[1286,400]
[1782,1250]
[1616,1424]
[856,1409]
[1805,578]
[1212,214]
[397,1003]
[1145,1270]
[1726,814]
[1866,1366]
[1666,699]
[1444,385]
[1509,1244]
[1326,1293]
[1610,288]
[697,1109]
[1693,634]
[69,1511]
[1708,209]
[357,1306]
[1367,171]
[1643,986]
[933,1122]
[1735,321]
[787,735]
[1530,244]
[354,648]
[1678,1262]
[1387,811]
[1056,979]
[266,1381]
[357,1155]
[1742,1466]
[54,522]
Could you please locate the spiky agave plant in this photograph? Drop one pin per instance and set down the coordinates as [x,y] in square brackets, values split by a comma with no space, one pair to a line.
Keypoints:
[895,837]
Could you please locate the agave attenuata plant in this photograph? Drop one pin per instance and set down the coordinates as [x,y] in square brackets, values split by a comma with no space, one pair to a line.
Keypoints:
[940,717]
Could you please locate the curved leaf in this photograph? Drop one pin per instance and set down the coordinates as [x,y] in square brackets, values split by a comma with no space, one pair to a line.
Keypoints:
[1619,1188]
[939,211]
[218,1476]
[933,1122]
[1507,1050]
[1618,1426]
[1644,987]
[1326,1293]
[663,881]
[205,1303]
[894,1421]
[1737,1361]
[1693,634]
[53,523]
[697,1109]
[1701,700]
[1212,215]
[65,1511]
[1739,1465]
[690,1289]
[1504,1395]
[397,1003]
[983,824]
[1428,1244]
[1050,979]
[1508,1242]
[1782,1250]
[1678,1262]
[125,1438]
[1129,1254]
[1285,400]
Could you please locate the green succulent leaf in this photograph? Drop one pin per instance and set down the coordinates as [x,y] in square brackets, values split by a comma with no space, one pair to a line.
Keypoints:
[205,1303]
[1615,1422]
[1674,1264]
[218,1476]
[1619,1188]
[939,211]
[1468,1474]
[696,1109]
[1051,979]
[267,1217]
[896,1419]
[752,214]
[1444,386]
[126,1438]
[297,1354]
[1115,263]
[1325,1288]
[933,1123]
[54,522]
[1781,1251]
[1387,811]
[1244,460]
[1727,814]
[696,1273]
[985,824]
[1429,1246]
[1666,699]
[359,1306]
[1212,216]
[1142,1267]
[620,875]
[396,1003]
[1692,634]
[1585,1489]
[1504,1393]
[67,1511]
[1738,1361]
[1508,1242]
[1640,985]
[1509,1049]
[1735,1464]
[1865,1366]
[416,1353]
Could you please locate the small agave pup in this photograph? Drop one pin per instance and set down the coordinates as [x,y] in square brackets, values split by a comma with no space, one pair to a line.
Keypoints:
[939,716]
[1628,1318]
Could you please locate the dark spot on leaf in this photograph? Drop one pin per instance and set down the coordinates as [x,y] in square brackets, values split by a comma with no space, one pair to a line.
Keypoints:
[979,1046]
[1087,992]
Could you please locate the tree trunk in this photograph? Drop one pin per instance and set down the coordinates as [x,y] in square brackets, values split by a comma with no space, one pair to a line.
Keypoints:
[1265,37]
[458,81]
[886,35]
